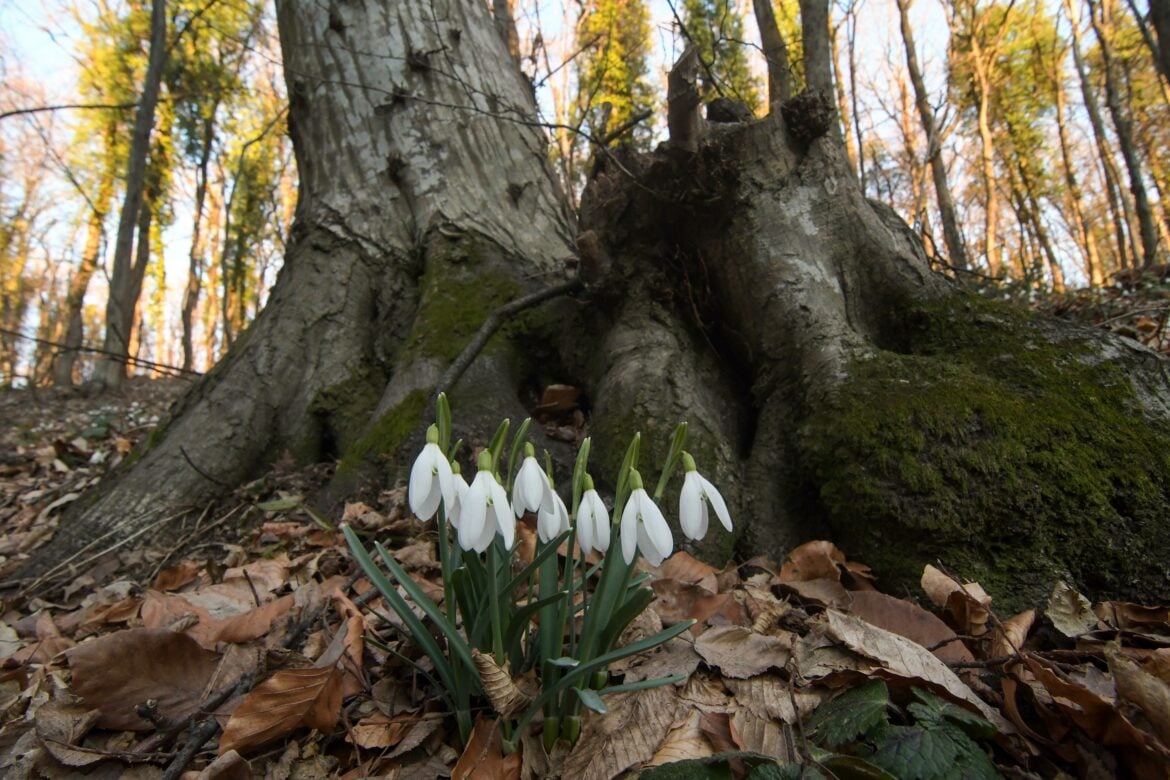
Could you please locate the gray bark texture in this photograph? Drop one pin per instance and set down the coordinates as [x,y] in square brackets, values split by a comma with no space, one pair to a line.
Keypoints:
[834,385]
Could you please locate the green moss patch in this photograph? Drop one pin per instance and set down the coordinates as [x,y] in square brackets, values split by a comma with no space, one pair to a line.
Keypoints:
[344,409]
[386,435]
[1012,459]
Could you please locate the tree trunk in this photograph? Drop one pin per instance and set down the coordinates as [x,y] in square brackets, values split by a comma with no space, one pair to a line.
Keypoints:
[1074,194]
[1119,209]
[1101,17]
[834,385]
[775,52]
[952,235]
[1160,18]
[195,260]
[123,295]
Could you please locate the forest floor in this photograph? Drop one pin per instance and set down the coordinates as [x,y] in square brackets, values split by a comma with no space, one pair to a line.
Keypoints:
[254,648]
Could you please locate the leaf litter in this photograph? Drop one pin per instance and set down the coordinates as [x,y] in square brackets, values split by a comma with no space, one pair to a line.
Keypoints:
[261,653]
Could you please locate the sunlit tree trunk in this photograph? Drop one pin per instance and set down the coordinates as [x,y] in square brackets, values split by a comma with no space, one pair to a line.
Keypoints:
[124,291]
[1100,14]
[952,235]
[1074,196]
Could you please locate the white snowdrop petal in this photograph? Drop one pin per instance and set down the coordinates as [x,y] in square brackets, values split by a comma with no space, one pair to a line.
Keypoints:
[690,506]
[657,531]
[585,526]
[474,513]
[445,476]
[421,478]
[717,503]
[505,520]
[430,504]
[629,530]
[647,547]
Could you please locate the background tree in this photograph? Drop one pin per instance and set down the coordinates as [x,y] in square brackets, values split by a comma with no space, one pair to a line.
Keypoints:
[716,28]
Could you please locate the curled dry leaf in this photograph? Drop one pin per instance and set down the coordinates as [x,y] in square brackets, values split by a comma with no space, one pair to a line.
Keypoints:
[378,731]
[1015,631]
[1119,614]
[740,653]
[177,576]
[506,697]
[1070,612]
[965,605]
[812,561]
[117,672]
[61,725]
[230,766]
[911,621]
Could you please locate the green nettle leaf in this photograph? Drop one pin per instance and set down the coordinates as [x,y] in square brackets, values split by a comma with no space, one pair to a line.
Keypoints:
[933,709]
[931,751]
[718,767]
[785,772]
[850,715]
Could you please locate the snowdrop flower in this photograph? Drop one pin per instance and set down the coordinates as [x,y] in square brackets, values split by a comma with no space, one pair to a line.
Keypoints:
[592,521]
[485,511]
[553,518]
[430,479]
[460,496]
[644,526]
[530,490]
[693,499]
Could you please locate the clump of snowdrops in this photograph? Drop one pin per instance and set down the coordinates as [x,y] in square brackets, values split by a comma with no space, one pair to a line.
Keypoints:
[556,620]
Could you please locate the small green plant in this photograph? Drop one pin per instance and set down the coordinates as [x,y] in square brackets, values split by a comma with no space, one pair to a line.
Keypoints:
[929,739]
[557,621]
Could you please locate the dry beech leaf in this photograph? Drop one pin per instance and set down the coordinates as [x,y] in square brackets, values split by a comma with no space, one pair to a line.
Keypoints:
[739,652]
[765,711]
[812,561]
[908,620]
[1136,685]
[629,735]
[1014,633]
[1122,615]
[253,624]
[677,656]
[1070,612]
[684,567]
[117,672]
[483,758]
[684,741]
[177,576]
[291,698]
[822,592]
[173,613]
[906,659]
[61,725]
[720,732]
[378,731]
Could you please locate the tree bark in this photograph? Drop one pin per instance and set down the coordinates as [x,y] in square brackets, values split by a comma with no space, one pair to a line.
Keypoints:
[952,235]
[123,295]
[1160,18]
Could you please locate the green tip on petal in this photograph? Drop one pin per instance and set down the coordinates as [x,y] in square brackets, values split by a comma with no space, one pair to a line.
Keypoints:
[484,462]
[688,462]
[433,434]
[588,482]
[635,480]
[456,468]
[529,450]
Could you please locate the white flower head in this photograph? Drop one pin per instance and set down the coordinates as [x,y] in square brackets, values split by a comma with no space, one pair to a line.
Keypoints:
[553,518]
[486,511]
[592,520]
[644,527]
[531,488]
[430,479]
[460,496]
[693,500]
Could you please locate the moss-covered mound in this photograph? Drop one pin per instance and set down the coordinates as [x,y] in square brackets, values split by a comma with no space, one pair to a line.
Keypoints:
[1013,455]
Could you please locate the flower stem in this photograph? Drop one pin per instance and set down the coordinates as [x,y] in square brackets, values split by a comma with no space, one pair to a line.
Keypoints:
[494,596]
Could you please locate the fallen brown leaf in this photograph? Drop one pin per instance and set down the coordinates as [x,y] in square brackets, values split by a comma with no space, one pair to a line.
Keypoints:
[1070,612]
[483,758]
[684,567]
[911,621]
[684,741]
[629,735]
[1010,639]
[812,561]
[1147,692]
[117,672]
[965,605]
[177,576]
[291,698]
[740,653]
